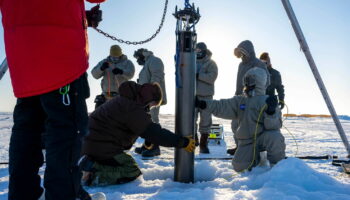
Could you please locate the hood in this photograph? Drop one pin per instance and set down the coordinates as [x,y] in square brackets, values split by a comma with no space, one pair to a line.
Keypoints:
[247,46]
[147,53]
[206,58]
[259,77]
[142,94]
[129,90]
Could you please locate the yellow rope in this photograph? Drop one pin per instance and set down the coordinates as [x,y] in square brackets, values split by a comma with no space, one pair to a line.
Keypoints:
[254,139]
[296,143]
[255,136]
[287,112]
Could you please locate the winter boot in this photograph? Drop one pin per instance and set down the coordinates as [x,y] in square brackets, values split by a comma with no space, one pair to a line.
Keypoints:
[263,159]
[86,166]
[98,196]
[154,151]
[83,195]
[203,144]
[141,149]
[231,151]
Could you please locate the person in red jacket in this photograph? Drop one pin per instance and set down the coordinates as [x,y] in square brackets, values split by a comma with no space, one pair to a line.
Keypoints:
[47,53]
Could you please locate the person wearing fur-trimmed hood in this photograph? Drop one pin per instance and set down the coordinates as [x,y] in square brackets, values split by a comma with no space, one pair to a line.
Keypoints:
[152,72]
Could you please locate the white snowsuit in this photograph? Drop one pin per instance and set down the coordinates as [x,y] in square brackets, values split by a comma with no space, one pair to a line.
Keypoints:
[253,122]
[111,82]
[153,71]
[207,71]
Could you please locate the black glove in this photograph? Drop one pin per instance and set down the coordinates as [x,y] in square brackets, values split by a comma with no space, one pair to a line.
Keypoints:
[200,104]
[117,71]
[281,104]
[94,16]
[104,66]
[271,102]
[197,75]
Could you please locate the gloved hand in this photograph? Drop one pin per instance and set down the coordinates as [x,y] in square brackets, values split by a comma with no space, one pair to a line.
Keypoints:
[190,147]
[271,102]
[94,16]
[200,104]
[281,104]
[117,71]
[104,66]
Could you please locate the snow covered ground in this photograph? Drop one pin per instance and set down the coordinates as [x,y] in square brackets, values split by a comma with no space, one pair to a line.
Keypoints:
[290,179]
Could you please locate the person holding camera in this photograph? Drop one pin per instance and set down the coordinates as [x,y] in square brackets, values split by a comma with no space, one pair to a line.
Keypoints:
[114,128]
[114,70]
[47,52]
[259,121]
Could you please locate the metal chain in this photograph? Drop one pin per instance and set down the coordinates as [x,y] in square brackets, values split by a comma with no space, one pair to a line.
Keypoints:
[139,42]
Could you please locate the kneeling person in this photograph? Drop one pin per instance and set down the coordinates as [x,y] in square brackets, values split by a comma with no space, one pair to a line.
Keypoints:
[259,121]
[114,128]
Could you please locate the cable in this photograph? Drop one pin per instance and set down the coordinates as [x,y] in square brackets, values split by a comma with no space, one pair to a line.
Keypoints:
[254,139]
[296,143]
[287,112]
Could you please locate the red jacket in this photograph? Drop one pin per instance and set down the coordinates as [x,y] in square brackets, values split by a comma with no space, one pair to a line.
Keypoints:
[46,43]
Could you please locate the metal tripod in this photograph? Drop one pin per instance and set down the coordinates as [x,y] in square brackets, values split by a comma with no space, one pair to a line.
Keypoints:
[304,46]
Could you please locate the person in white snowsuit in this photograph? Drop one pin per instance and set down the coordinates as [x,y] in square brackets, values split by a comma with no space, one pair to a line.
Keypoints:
[114,70]
[207,72]
[259,121]
[151,72]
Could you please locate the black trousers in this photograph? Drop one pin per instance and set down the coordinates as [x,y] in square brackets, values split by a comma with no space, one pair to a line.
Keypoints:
[64,127]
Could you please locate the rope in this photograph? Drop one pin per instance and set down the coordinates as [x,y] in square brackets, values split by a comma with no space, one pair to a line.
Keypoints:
[254,139]
[109,84]
[296,144]
[295,141]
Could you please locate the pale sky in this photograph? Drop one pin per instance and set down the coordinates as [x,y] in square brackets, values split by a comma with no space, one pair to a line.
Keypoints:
[224,24]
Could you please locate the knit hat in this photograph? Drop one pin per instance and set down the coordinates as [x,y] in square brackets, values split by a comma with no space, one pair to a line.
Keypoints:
[115,51]
[142,94]
[265,56]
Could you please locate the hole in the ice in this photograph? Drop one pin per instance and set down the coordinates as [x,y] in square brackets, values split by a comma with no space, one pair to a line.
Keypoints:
[204,171]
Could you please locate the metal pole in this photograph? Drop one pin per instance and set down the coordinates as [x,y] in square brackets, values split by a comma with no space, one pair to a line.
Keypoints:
[304,46]
[185,59]
[3,68]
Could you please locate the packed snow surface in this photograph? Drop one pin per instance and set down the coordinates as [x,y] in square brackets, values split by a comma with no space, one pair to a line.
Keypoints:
[291,178]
